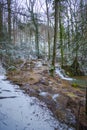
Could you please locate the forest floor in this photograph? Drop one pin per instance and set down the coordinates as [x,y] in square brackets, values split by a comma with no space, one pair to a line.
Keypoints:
[66,102]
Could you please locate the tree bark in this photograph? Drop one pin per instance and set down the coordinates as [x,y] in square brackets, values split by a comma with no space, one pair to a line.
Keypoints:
[48,29]
[61,36]
[1,21]
[37,40]
[9,20]
[55,32]
[86,101]
[68,22]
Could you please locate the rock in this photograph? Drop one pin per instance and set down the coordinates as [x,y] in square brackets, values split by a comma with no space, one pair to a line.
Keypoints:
[44,82]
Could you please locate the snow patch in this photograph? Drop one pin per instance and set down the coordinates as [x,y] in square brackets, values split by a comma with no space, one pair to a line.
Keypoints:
[54,97]
[44,94]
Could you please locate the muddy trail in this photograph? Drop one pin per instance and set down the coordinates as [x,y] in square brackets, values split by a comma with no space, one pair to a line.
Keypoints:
[67,103]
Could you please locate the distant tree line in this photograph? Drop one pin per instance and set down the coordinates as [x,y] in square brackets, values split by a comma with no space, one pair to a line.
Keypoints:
[59,32]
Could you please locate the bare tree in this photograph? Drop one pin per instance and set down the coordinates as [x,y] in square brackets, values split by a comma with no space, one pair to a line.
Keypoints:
[34,20]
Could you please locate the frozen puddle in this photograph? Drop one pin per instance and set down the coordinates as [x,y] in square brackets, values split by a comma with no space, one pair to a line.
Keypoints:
[21,112]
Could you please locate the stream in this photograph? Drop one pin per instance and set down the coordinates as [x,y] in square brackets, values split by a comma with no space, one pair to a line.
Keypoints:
[19,111]
[80,80]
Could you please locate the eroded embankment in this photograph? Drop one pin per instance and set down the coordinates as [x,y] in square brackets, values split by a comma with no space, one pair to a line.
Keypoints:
[66,103]
[18,111]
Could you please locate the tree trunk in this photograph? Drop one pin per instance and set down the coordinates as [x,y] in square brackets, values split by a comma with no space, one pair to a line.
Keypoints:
[35,23]
[55,33]
[37,41]
[1,21]
[14,31]
[86,101]
[68,22]
[71,13]
[9,20]
[48,29]
[61,37]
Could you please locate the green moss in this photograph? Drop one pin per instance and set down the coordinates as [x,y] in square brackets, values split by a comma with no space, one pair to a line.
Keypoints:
[51,70]
[75,85]
[31,78]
